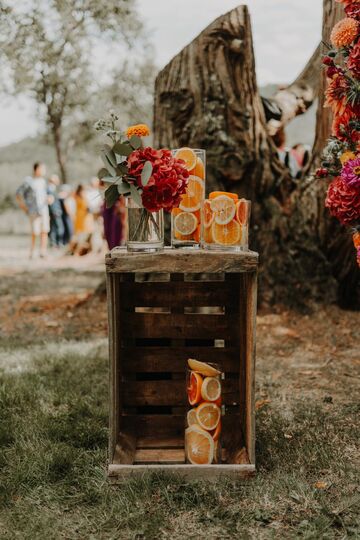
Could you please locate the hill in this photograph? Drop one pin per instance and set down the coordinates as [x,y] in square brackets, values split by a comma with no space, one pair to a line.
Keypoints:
[16,162]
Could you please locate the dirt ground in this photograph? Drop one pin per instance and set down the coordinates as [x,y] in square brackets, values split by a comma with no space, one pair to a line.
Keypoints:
[316,355]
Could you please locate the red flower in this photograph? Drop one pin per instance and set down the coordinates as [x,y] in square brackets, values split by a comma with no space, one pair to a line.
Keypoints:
[322,172]
[336,94]
[341,127]
[168,180]
[353,11]
[343,202]
[353,62]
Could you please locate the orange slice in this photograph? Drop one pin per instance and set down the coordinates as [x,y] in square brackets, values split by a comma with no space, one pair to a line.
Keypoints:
[191,418]
[199,446]
[208,237]
[199,169]
[242,211]
[203,368]
[215,194]
[224,209]
[191,201]
[194,388]
[208,214]
[208,415]
[197,234]
[185,223]
[187,155]
[211,389]
[227,235]
[217,432]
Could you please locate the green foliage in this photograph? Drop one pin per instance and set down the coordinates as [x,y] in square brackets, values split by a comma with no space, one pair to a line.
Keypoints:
[52,480]
[146,173]
[46,50]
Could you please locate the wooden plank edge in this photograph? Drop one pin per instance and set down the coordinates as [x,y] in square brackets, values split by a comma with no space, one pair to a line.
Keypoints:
[191,472]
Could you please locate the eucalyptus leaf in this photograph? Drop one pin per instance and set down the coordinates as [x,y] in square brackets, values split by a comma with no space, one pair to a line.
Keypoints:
[135,142]
[111,196]
[107,163]
[122,169]
[103,173]
[110,179]
[110,155]
[122,149]
[123,188]
[135,195]
[146,173]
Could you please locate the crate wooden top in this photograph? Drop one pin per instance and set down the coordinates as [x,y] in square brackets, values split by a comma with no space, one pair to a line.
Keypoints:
[182,261]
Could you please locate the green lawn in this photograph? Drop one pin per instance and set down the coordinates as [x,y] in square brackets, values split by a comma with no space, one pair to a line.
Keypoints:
[53,438]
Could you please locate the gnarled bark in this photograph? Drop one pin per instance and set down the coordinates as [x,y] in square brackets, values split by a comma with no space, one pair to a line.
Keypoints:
[207,97]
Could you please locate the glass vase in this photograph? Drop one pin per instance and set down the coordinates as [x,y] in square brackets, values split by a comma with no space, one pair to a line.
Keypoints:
[226,223]
[145,230]
[203,418]
[186,219]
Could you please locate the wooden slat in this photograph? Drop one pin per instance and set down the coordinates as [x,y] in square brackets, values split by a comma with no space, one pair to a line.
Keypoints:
[178,294]
[185,260]
[190,472]
[158,455]
[168,393]
[251,304]
[159,425]
[178,326]
[174,360]
[160,442]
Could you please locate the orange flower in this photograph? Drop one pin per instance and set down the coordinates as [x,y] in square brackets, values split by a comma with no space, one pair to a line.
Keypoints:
[141,130]
[356,239]
[344,32]
[336,95]
[346,156]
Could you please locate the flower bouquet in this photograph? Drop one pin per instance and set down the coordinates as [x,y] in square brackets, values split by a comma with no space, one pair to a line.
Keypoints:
[151,180]
[342,153]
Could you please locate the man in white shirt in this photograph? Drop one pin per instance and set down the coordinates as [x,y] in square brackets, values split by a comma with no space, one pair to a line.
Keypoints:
[32,197]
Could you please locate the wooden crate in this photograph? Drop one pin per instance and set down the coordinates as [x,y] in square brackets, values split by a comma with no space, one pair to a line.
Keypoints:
[164,309]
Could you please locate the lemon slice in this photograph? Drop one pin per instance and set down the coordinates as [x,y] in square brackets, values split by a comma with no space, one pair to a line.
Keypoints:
[224,209]
[203,368]
[211,389]
[191,417]
[185,223]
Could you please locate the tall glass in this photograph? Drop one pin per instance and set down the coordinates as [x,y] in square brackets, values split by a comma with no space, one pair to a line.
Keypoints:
[226,222]
[203,418]
[186,219]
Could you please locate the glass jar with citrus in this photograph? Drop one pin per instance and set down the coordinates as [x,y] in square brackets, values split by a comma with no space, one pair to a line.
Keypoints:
[203,419]
[186,219]
[226,222]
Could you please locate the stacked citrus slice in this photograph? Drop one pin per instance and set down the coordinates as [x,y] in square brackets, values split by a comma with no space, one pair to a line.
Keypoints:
[204,418]
[225,219]
[186,220]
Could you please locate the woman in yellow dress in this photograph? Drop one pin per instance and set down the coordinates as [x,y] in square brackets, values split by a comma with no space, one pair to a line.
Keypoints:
[83,223]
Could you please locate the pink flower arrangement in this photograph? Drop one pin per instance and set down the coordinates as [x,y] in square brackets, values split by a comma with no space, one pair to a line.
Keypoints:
[350,173]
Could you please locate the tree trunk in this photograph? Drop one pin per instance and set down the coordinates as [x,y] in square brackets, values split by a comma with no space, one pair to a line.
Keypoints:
[207,97]
[56,130]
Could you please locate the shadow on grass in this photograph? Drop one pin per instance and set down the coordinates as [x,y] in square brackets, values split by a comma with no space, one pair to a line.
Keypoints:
[53,440]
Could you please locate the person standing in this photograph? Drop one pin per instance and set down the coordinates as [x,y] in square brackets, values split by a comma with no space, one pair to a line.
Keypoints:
[55,210]
[32,198]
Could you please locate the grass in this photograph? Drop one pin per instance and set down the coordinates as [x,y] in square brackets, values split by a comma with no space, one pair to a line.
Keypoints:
[53,437]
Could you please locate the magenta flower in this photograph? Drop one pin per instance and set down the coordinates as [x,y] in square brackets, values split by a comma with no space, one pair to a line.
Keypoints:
[351,173]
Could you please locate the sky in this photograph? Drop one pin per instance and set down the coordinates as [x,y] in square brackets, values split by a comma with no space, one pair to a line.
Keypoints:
[285,34]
